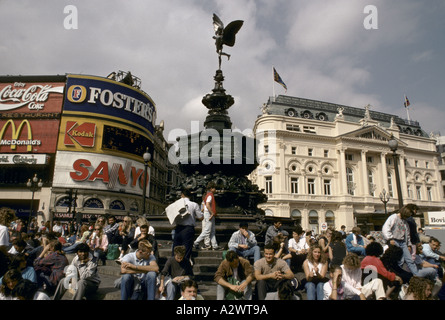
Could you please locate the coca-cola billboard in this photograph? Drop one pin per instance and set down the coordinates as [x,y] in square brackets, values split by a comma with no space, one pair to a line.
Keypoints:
[31,97]
[30,116]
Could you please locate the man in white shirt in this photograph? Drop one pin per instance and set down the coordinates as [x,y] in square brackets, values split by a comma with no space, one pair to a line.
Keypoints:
[185,227]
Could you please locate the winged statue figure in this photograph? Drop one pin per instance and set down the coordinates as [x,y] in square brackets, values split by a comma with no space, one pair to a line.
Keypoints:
[225,35]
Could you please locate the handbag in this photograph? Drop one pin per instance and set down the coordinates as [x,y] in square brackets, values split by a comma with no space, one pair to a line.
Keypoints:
[113,252]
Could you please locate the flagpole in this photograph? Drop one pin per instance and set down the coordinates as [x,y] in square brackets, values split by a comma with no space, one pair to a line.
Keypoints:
[273,83]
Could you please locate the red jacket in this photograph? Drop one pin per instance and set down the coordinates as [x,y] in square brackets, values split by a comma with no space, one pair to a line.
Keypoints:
[381,270]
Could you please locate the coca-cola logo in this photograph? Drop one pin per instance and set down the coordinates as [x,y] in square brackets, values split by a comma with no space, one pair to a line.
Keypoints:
[17,95]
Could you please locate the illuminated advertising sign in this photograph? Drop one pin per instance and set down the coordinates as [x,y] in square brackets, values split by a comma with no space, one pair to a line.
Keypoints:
[31,97]
[99,172]
[94,95]
[17,159]
[37,136]
[30,116]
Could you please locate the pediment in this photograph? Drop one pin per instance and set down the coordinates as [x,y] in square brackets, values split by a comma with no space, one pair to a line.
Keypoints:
[374,133]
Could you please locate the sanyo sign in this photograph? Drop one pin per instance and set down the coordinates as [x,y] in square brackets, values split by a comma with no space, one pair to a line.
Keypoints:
[99,172]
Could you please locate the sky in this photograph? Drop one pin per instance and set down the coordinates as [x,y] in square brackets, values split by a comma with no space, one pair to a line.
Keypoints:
[338,51]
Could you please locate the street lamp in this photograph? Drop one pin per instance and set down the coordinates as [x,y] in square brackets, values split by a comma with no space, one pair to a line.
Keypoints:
[33,184]
[393,144]
[384,197]
[147,157]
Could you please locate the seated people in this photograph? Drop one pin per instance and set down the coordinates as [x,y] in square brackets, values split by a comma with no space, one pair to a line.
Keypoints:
[99,243]
[275,230]
[189,291]
[269,271]
[50,265]
[315,269]
[139,270]
[243,242]
[86,280]
[352,277]
[334,289]
[432,255]
[234,277]
[145,235]
[298,249]
[355,243]
[176,270]
[372,267]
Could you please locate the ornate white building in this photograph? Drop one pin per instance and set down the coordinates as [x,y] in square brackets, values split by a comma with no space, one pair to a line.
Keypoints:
[327,164]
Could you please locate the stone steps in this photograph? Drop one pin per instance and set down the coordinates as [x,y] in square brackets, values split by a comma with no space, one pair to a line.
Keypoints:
[205,264]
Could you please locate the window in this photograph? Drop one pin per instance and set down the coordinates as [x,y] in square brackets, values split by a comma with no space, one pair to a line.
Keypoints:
[330,218]
[427,165]
[309,129]
[310,151]
[294,150]
[268,184]
[369,159]
[390,185]
[294,185]
[292,127]
[327,187]
[429,193]
[266,148]
[371,183]
[326,153]
[419,192]
[350,181]
[410,192]
[416,163]
[296,214]
[311,186]
[349,157]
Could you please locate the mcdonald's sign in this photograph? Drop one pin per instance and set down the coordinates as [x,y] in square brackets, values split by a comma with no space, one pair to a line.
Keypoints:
[13,140]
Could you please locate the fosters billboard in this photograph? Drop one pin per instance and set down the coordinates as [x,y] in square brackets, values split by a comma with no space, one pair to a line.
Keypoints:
[105,116]
[30,116]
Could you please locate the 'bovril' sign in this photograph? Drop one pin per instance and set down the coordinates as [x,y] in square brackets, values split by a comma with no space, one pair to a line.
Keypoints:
[435,218]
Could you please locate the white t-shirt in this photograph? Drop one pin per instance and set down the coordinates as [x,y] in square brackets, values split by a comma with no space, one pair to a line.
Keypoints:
[300,245]
[4,236]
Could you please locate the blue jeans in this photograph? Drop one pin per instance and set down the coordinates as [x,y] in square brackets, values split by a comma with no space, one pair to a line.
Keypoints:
[148,286]
[254,251]
[407,257]
[314,291]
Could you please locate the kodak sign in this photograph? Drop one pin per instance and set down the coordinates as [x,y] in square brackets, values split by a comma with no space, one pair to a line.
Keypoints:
[83,134]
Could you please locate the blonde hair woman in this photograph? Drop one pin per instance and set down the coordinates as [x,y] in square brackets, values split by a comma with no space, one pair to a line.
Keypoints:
[126,233]
[99,243]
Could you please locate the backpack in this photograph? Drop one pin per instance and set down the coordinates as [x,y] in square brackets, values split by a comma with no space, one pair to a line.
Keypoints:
[113,252]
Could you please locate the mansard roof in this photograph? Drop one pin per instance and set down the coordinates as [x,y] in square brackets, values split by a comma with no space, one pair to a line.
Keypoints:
[326,111]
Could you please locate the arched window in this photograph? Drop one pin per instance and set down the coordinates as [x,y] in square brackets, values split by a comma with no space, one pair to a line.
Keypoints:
[330,218]
[313,221]
[296,215]
[117,205]
[65,202]
[93,203]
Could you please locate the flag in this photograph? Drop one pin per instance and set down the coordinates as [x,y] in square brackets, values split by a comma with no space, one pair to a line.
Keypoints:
[277,78]
[406,103]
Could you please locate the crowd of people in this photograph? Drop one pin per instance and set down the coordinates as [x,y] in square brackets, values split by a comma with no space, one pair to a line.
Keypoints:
[335,265]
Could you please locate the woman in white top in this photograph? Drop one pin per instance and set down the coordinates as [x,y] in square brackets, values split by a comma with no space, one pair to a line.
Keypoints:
[315,268]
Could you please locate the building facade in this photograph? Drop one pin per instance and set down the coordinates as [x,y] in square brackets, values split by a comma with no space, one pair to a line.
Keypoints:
[324,164]
[84,138]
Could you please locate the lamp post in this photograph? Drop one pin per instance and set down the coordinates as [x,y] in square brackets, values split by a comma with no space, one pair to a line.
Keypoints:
[393,144]
[384,197]
[147,157]
[33,184]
